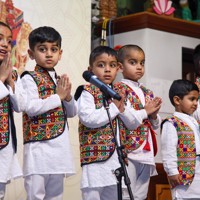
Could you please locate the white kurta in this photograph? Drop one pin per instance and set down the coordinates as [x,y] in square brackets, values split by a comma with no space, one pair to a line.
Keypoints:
[50,156]
[9,164]
[98,174]
[140,155]
[169,141]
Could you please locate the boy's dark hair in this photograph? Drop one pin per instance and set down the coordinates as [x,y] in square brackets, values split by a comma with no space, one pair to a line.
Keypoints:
[123,51]
[196,57]
[44,34]
[99,51]
[181,88]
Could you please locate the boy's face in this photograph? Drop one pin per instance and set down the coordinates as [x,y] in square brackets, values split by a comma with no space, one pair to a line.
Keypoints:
[188,104]
[105,67]
[46,54]
[133,65]
[5,42]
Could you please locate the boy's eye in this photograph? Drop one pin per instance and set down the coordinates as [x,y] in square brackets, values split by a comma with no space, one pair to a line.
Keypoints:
[10,42]
[113,65]
[54,50]
[132,62]
[101,65]
[42,49]
[142,63]
[193,99]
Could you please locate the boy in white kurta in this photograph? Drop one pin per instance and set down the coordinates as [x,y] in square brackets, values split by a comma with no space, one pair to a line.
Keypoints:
[47,152]
[180,142]
[12,97]
[140,142]
[97,141]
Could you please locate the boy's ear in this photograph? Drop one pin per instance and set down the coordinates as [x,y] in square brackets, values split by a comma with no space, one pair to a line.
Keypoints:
[121,68]
[60,54]
[31,54]
[89,68]
[176,100]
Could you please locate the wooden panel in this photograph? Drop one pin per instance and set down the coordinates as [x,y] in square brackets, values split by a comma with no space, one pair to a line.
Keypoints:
[151,20]
[163,192]
[157,182]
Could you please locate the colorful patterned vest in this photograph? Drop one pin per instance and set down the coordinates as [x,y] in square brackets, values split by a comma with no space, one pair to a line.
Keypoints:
[186,150]
[133,139]
[96,144]
[4,122]
[5,113]
[48,125]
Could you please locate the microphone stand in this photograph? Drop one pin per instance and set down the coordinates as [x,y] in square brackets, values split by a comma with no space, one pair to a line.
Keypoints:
[121,171]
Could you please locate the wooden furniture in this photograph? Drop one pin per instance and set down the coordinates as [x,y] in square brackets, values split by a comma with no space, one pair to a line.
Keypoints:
[153,21]
[159,188]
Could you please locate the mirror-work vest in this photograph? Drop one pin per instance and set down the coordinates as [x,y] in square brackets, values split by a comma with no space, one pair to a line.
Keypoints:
[4,122]
[133,139]
[5,114]
[48,125]
[186,149]
[96,144]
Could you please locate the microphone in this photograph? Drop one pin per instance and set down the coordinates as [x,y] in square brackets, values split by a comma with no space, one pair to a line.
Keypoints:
[105,89]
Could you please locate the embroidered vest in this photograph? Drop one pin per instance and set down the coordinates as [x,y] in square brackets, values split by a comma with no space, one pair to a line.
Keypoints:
[96,144]
[186,150]
[133,139]
[4,120]
[48,125]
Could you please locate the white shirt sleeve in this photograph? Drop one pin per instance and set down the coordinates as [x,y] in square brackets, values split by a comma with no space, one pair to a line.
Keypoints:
[92,117]
[132,118]
[169,141]
[71,107]
[4,90]
[156,123]
[35,105]
[19,97]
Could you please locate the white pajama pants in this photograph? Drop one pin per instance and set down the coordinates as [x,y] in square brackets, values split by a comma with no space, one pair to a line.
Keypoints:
[44,187]
[100,193]
[139,175]
[2,190]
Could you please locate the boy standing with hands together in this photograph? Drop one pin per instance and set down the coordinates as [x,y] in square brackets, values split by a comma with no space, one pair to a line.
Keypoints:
[47,152]
[97,141]
[140,142]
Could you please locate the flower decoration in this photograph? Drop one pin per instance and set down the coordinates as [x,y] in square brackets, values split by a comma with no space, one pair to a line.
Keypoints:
[117,47]
[163,7]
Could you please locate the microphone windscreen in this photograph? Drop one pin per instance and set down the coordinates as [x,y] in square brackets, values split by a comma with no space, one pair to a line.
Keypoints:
[87,75]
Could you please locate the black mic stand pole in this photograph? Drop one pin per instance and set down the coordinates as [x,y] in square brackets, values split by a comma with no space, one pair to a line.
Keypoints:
[121,171]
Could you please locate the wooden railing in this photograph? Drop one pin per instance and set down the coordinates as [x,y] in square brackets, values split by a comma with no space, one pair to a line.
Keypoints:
[151,20]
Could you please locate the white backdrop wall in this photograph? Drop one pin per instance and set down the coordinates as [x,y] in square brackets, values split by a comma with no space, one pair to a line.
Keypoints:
[72,20]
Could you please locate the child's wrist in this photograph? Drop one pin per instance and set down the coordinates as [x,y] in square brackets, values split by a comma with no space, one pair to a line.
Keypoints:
[2,79]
